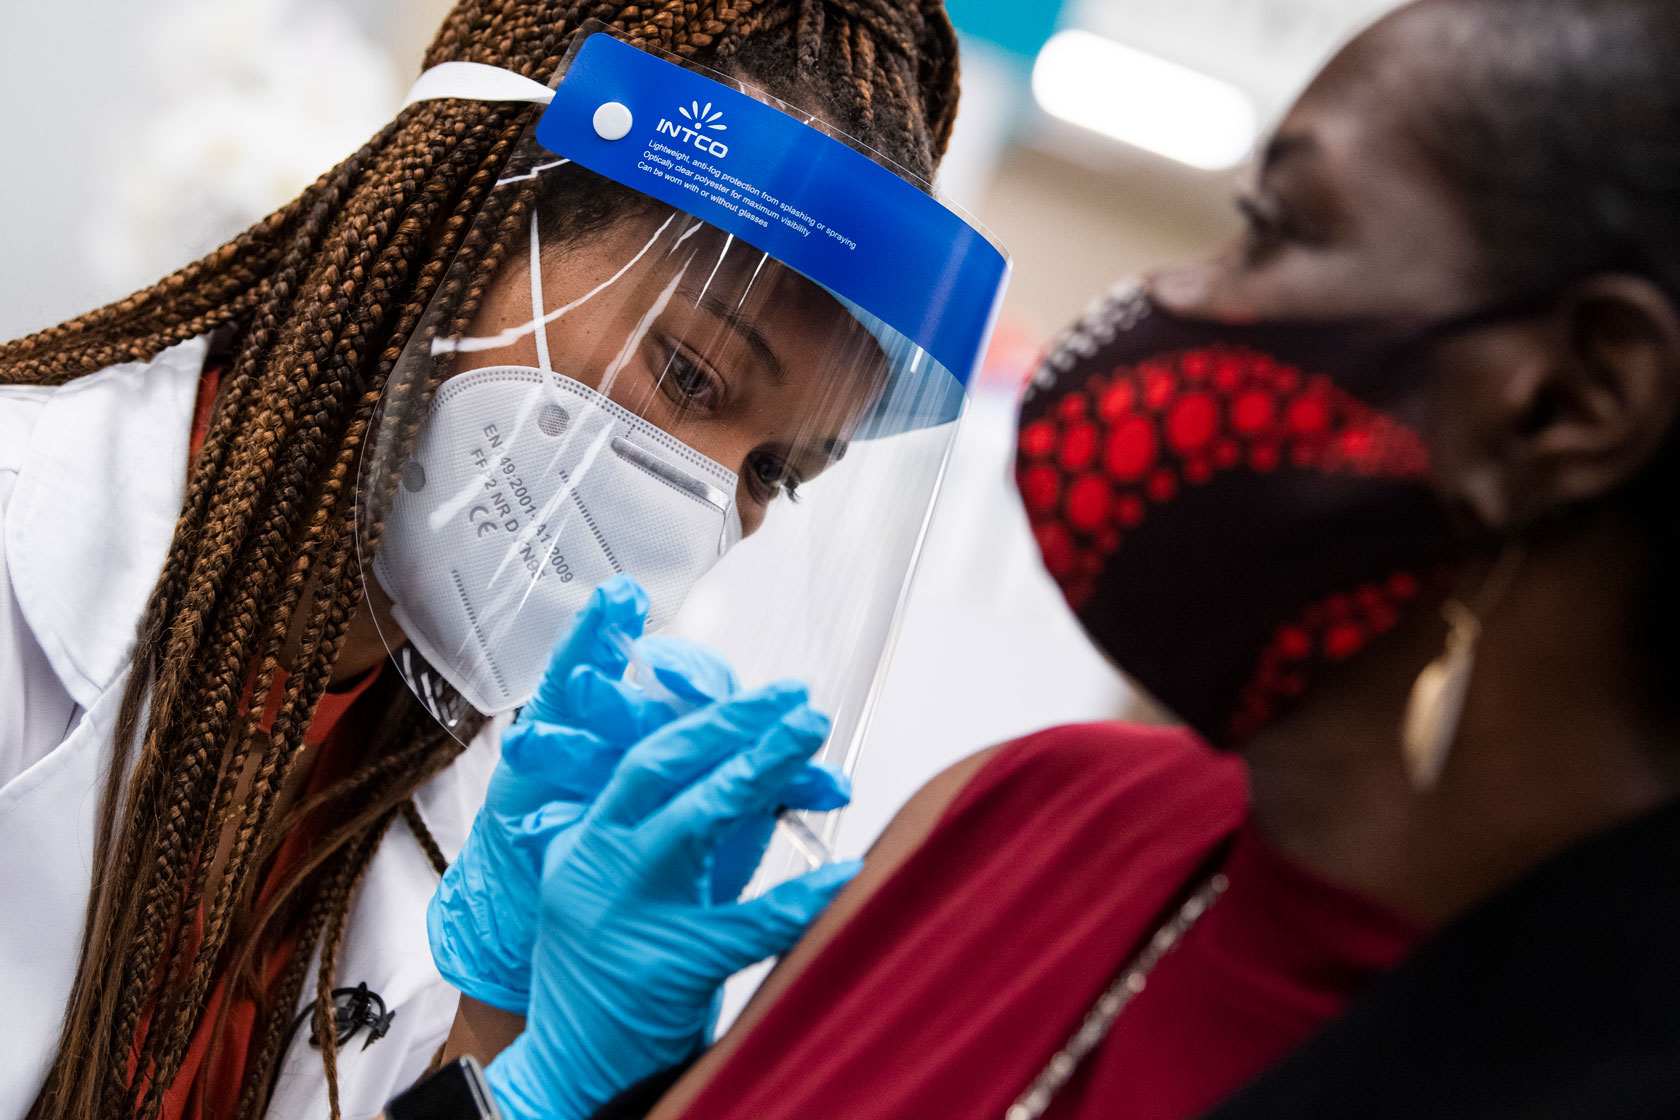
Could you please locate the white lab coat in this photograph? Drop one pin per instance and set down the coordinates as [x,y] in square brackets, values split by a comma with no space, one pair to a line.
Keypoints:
[91,479]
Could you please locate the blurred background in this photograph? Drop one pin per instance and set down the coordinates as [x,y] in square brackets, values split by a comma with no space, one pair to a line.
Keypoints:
[1097,138]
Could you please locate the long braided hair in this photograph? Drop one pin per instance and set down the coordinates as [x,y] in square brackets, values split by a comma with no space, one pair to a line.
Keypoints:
[313,305]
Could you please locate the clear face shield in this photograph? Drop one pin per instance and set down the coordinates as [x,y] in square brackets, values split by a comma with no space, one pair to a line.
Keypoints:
[695,338]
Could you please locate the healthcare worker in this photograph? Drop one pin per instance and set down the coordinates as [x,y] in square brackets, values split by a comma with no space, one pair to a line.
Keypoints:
[1380,501]
[290,536]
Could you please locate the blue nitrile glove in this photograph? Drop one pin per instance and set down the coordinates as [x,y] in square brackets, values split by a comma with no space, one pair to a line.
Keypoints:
[631,948]
[556,757]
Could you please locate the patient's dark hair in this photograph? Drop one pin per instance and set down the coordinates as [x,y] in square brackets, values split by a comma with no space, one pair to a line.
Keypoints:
[1558,121]
[313,305]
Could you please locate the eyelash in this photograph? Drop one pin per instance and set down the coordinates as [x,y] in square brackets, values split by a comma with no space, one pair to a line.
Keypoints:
[680,370]
[782,482]
[1263,222]
[1271,225]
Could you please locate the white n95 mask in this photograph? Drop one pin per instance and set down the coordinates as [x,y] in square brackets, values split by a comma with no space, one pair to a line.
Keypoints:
[526,490]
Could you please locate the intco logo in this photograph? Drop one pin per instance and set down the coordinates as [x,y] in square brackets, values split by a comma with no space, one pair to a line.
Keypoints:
[701,120]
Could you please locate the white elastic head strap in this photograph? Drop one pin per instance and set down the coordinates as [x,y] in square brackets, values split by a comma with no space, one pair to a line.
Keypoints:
[476,81]
[538,311]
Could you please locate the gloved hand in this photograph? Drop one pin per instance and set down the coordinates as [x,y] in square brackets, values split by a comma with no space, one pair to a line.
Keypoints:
[631,948]
[556,757]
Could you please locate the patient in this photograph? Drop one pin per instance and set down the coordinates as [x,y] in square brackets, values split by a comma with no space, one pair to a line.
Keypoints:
[1380,502]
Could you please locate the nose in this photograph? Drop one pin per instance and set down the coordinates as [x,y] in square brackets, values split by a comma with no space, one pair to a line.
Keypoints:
[1184,289]
[750,509]
[732,449]
[1210,287]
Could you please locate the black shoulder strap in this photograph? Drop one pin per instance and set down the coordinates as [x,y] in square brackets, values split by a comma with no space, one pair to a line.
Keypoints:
[638,1100]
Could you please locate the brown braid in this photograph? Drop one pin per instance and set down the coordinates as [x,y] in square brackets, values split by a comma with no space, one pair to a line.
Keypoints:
[315,304]
[423,836]
[325,1029]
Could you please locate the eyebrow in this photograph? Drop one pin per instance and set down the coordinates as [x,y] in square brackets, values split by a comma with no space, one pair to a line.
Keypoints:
[741,323]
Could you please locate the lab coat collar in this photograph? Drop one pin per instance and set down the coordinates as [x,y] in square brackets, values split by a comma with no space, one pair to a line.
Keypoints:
[94,510]
[90,521]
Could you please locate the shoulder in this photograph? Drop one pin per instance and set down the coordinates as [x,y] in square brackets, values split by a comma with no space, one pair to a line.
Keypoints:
[134,404]
[1121,750]
[1155,772]
[184,359]
[1095,789]
[20,409]
[1162,767]
[112,448]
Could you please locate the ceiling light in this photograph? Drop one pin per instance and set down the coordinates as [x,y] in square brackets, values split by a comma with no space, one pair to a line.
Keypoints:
[1145,101]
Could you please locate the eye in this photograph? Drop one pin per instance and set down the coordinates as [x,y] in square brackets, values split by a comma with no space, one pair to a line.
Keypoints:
[1264,225]
[1273,224]
[689,382]
[769,478]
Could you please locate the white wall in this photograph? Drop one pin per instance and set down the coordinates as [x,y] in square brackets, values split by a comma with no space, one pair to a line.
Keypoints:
[137,136]
[62,66]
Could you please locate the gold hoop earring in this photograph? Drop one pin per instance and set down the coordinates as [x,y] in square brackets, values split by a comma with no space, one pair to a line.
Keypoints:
[1436,705]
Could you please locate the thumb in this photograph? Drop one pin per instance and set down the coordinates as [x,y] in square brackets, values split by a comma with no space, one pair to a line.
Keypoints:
[616,710]
[820,787]
[559,762]
[618,603]
[532,838]
[690,670]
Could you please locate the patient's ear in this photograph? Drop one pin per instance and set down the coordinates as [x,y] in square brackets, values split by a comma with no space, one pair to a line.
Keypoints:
[1560,409]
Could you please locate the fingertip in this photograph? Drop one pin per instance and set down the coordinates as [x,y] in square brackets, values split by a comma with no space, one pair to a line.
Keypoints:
[760,708]
[820,788]
[584,645]
[830,879]
[513,739]
[689,669]
[808,723]
[809,894]
[790,741]
[837,779]
[783,696]
[622,593]
[619,602]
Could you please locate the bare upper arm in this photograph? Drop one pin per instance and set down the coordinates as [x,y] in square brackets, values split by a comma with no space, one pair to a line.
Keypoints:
[908,829]
[480,1030]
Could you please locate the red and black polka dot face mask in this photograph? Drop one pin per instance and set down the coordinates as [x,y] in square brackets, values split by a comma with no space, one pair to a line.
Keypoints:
[1231,509]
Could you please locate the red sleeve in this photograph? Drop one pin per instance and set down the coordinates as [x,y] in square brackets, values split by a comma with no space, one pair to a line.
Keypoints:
[208,382]
[942,995]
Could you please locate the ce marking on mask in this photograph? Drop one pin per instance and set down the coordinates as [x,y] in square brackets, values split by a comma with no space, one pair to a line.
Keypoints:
[510,507]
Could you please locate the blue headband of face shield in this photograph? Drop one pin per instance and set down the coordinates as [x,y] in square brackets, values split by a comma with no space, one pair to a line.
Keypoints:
[916,395]
[923,280]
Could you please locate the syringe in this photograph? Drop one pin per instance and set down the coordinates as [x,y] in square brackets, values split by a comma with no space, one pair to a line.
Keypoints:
[805,841]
